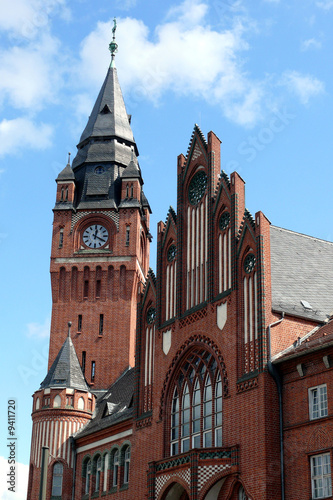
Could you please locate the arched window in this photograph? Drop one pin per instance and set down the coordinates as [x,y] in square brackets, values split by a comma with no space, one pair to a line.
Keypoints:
[127,460]
[58,470]
[98,473]
[88,476]
[37,404]
[115,467]
[57,401]
[105,470]
[196,405]
[80,403]
[185,429]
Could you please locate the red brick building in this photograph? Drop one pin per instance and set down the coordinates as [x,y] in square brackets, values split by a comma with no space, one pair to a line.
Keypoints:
[212,379]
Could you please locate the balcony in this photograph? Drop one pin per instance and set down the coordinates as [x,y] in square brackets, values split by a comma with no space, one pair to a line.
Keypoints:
[195,470]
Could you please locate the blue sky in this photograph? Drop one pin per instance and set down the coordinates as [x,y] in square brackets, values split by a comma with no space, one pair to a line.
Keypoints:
[257,73]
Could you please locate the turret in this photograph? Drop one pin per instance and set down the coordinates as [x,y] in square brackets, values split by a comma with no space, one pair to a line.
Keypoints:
[61,406]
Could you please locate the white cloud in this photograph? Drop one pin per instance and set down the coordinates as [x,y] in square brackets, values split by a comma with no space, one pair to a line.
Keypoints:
[20,133]
[27,18]
[39,330]
[183,56]
[311,43]
[189,13]
[22,472]
[304,86]
[325,4]
[27,74]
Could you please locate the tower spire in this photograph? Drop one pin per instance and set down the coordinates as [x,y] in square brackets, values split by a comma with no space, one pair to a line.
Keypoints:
[113,46]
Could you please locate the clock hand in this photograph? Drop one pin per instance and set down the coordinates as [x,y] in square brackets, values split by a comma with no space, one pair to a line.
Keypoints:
[102,239]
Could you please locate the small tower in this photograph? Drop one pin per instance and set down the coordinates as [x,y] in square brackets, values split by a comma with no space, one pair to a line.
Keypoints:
[61,406]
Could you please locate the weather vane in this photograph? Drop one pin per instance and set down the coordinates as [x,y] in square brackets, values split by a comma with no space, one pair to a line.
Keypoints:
[113,45]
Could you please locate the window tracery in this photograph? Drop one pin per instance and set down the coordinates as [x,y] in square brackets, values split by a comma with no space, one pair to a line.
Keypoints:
[196,405]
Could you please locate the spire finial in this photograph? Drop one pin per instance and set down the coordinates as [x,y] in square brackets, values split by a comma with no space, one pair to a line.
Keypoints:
[69,159]
[69,328]
[113,45]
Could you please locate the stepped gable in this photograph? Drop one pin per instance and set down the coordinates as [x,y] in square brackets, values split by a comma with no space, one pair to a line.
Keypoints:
[302,270]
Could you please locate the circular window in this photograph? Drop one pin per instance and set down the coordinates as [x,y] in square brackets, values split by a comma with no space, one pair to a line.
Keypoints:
[224,220]
[99,170]
[249,263]
[151,314]
[197,187]
[171,253]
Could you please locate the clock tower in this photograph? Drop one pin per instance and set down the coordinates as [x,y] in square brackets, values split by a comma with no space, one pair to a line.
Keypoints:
[100,242]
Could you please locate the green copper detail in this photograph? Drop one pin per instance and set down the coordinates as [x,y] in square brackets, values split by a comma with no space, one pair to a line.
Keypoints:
[113,46]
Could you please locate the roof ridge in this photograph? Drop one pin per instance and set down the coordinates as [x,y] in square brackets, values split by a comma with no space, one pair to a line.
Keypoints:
[301,234]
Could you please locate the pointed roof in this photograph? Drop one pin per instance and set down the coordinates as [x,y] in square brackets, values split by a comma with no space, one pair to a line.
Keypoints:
[108,120]
[132,171]
[66,370]
[109,116]
[66,174]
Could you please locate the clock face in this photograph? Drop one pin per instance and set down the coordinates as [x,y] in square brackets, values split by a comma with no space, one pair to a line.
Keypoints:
[95,236]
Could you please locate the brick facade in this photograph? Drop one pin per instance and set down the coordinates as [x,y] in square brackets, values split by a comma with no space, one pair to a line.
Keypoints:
[204,418]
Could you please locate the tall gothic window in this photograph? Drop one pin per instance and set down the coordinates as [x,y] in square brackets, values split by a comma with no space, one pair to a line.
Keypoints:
[196,406]
[57,479]
[127,460]
[115,467]
[98,466]
[87,481]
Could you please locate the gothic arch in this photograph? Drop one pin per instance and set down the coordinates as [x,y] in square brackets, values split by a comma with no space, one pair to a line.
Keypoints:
[181,353]
[175,490]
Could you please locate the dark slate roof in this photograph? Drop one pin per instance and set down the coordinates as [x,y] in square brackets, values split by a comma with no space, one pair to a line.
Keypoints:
[109,116]
[302,270]
[108,135]
[115,406]
[66,370]
[66,174]
[110,151]
[132,171]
